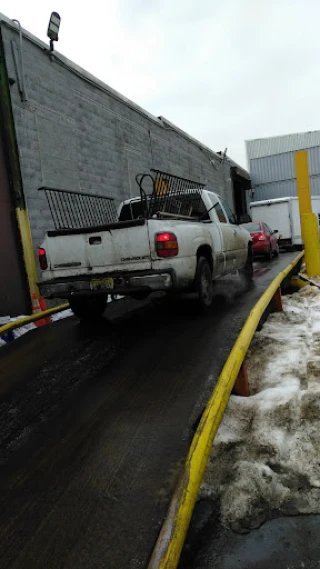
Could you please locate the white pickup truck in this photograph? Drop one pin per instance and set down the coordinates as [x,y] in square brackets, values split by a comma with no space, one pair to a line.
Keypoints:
[136,256]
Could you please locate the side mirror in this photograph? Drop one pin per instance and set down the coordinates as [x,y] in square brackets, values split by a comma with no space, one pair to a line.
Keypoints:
[275,231]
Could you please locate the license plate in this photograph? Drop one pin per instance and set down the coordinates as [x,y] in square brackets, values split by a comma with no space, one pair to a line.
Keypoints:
[101,284]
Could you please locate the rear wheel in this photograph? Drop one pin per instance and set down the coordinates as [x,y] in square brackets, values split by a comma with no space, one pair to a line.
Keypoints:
[140,295]
[204,284]
[88,308]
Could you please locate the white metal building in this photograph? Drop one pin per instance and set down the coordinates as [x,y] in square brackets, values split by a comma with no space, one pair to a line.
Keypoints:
[272,166]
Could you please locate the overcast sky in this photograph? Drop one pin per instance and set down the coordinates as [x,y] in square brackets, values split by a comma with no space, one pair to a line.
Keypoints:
[224,71]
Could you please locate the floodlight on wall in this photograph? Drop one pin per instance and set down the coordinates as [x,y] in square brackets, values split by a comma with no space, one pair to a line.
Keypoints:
[53,28]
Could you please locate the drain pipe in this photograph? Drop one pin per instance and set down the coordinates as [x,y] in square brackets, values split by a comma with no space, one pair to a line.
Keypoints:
[23,91]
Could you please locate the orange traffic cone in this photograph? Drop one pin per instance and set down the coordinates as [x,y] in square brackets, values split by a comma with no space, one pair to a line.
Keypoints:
[37,308]
[43,306]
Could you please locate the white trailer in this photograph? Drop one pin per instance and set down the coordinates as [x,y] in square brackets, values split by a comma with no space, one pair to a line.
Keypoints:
[283,214]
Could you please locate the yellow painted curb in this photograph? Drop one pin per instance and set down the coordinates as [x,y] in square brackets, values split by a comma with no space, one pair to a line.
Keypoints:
[168,548]
[32,318]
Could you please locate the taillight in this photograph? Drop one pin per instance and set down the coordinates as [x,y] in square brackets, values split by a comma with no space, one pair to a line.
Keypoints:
[261,237]
[43,259]
[167,245]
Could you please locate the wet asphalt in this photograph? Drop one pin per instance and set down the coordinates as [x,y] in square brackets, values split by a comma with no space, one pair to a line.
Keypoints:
[281,543]
[95,424]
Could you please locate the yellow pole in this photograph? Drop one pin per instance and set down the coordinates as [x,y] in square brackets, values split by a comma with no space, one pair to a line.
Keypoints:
[27,248]
[309,221]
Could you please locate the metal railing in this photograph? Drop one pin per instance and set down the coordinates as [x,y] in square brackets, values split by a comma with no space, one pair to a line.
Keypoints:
[171,194]
[76,210]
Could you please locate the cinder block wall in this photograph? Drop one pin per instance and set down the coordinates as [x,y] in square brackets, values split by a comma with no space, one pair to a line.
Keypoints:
[76,133]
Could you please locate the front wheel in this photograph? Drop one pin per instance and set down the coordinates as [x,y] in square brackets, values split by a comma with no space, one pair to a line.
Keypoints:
[204,284]
[88,308]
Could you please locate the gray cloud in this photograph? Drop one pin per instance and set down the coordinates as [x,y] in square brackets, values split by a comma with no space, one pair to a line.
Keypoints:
[222,71]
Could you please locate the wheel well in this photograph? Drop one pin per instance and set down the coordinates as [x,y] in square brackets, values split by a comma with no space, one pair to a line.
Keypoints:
[206,252]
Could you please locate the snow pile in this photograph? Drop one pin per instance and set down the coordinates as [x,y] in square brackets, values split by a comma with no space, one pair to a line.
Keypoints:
[27,327]
[23,329]
[266,457]
[63,314]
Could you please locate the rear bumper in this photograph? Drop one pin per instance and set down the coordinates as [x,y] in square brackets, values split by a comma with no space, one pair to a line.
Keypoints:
[123,285]
[261,248]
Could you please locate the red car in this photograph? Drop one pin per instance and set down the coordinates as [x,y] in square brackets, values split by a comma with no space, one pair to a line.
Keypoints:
[264,240]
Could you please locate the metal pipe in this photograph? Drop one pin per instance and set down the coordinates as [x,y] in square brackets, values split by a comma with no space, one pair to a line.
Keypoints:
[32,318]
[23,93]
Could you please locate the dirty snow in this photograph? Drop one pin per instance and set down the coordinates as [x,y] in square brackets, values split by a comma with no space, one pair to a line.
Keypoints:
[27,327]
[266,457]
[60,315]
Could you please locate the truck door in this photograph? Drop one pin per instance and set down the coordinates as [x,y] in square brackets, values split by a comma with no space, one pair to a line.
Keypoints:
[239,251]
[229,234]
[218,217]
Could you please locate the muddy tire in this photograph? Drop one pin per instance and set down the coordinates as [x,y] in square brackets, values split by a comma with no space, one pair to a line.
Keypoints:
[140,295]
[246,273]
[204,284]
[88,308]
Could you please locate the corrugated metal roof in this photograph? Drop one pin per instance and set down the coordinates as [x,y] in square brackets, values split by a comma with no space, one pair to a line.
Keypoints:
[278,144]
[272,169]
[314,161]
[275,190]
[281,167]
[283,188]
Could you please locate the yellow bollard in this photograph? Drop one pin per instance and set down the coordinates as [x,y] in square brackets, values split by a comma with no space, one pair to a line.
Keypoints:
[309,221]
[310,236]
[27,248]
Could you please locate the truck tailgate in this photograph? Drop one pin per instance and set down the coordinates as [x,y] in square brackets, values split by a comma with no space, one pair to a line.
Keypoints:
[110,249]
